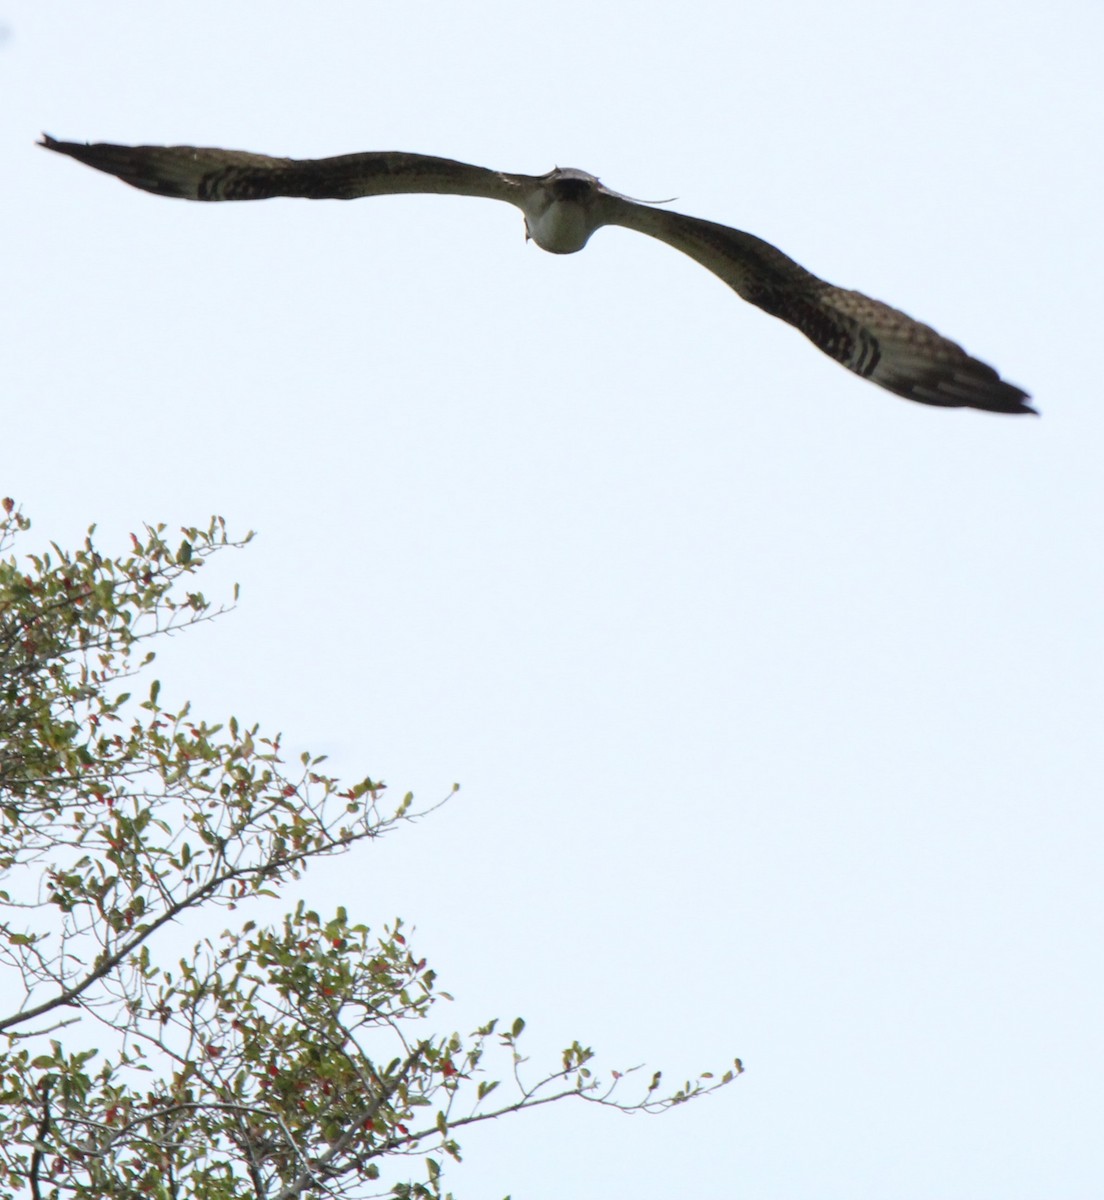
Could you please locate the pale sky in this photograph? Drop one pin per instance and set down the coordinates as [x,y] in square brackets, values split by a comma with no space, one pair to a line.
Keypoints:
[775,699]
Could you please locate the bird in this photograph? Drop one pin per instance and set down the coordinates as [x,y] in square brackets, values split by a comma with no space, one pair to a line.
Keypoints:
[562,209]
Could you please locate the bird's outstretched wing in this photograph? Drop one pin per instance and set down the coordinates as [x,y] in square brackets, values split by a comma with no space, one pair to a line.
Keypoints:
[872,339]
[562,209]
[198,173]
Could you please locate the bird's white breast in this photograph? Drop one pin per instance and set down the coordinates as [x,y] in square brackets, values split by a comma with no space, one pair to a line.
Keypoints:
[561,227]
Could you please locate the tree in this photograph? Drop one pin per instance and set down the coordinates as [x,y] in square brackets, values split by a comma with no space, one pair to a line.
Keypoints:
[275,1060]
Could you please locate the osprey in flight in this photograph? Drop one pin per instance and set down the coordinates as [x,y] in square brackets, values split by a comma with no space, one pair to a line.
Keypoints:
[562,209]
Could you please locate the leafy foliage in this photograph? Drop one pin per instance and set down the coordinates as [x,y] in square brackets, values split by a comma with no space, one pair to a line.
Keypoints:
[272,1061]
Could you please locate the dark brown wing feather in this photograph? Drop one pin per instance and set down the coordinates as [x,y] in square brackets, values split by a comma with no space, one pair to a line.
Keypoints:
[868,337]
[200,173]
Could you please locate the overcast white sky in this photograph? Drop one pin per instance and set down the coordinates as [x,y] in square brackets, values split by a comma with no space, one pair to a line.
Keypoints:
[776,700]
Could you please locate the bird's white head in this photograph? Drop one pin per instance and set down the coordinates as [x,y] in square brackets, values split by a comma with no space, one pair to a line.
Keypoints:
[561,210]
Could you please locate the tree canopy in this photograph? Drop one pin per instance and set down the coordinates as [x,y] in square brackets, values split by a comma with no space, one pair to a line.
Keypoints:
[271,1060]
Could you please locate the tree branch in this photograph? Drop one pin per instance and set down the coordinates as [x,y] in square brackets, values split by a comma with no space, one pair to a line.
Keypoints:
[308,1176]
